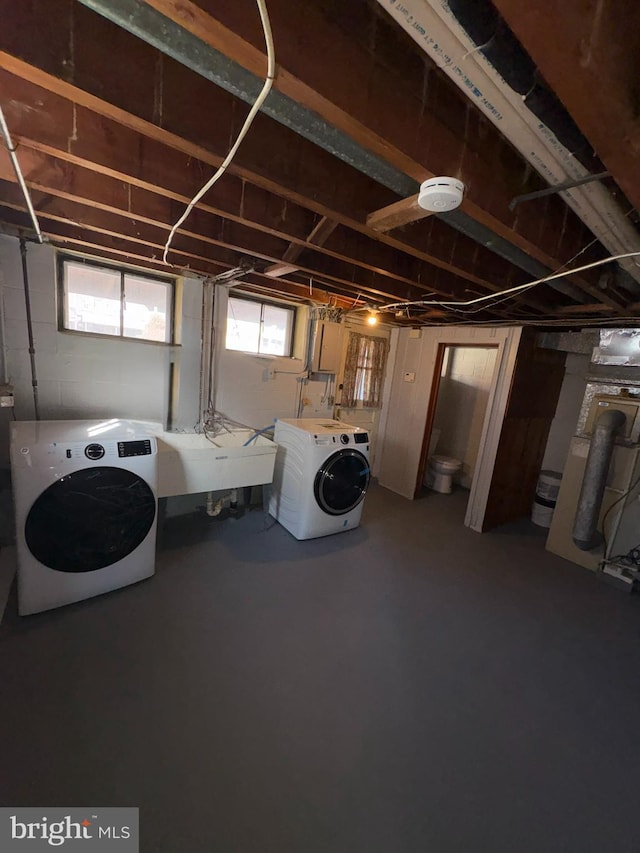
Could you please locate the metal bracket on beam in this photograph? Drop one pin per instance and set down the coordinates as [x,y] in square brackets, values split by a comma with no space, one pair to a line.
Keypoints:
[558,188]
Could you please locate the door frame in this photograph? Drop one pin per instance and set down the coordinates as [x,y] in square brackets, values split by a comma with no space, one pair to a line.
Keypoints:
[409,403]
[433,403]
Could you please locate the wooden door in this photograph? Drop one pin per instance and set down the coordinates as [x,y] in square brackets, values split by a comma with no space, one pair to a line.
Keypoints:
[533,398]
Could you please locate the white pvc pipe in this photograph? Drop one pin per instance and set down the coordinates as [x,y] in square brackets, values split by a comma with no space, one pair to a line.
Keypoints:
[435,28]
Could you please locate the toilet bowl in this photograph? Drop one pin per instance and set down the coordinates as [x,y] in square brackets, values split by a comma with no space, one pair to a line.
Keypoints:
[441,472]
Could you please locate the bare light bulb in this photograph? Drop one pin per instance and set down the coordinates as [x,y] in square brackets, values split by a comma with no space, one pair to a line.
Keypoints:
[372,319]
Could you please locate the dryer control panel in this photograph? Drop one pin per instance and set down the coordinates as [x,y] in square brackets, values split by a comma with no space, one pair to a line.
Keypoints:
[135,448]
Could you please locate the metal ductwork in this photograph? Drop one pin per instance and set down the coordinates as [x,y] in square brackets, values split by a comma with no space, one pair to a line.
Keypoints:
[585,532]
[482,62]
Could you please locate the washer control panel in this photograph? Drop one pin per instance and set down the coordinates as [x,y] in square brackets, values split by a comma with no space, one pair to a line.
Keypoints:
[344,438]
[142,447]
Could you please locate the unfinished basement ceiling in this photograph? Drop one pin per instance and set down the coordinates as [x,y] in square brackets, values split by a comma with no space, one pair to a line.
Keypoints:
[119,123]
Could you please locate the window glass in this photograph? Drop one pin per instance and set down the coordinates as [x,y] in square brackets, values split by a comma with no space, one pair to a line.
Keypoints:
[276,330]
[92,299]
[243,325]
[147,309]
[107,301]
[259,327]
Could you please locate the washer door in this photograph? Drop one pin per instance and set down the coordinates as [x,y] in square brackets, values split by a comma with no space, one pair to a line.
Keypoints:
[342,481]
[90,519]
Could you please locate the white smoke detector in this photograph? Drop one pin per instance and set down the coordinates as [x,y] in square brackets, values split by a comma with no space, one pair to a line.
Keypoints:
[441,194]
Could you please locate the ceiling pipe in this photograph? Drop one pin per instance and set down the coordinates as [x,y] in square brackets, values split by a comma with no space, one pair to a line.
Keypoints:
[567,185]
[435,28]
[4,130]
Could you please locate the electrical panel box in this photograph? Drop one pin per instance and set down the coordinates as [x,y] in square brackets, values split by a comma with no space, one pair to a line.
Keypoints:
[628,406]
[327,349]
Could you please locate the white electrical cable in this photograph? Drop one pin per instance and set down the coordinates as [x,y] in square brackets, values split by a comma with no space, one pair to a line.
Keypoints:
[502,294]
[271,72]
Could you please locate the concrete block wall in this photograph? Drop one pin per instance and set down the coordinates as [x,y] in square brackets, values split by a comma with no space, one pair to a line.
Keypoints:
[84,376]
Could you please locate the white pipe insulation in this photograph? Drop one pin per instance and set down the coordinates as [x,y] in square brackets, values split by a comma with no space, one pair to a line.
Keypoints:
[432,24]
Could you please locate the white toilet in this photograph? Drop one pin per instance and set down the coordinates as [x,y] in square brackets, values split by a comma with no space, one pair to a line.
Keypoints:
[441,472]
[440,469]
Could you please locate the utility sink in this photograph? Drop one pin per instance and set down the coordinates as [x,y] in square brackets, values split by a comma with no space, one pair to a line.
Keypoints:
[189,463]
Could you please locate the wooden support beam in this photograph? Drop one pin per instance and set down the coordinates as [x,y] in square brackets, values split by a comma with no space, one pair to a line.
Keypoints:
[395,137]
[396,215]
[118,249]
[198,246]
[346,197]
[79,137]
[146,204]
[594,308]
[99,139]
[318,237]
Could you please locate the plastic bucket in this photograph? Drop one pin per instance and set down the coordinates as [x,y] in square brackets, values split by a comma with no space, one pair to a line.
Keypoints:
[549,485]
[546,496]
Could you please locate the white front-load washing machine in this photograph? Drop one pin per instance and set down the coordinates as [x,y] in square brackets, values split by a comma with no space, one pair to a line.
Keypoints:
[320,477]
[85,495]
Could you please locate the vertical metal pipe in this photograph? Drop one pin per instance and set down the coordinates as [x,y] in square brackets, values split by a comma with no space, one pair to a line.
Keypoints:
[4,130]
[585,533]
[27,305]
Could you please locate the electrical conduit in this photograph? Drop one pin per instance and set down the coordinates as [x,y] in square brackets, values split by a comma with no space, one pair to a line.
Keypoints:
[27,305]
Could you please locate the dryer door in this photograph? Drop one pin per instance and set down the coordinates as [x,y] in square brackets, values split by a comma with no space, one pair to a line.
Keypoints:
[342,481]
[90,519]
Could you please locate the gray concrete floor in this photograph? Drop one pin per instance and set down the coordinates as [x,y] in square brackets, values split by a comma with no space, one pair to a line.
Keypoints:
[408,686]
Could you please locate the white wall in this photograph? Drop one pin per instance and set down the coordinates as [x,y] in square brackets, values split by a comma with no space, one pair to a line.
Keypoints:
[565,421]
[467,373]
[84,376]
[255,390]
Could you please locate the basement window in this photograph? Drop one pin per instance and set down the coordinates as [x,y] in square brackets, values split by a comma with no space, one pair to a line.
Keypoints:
[364,371]
[259,327]
[110,301]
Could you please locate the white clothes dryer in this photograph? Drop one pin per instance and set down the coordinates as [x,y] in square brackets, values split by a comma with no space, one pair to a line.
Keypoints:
[85,495]
[321,476]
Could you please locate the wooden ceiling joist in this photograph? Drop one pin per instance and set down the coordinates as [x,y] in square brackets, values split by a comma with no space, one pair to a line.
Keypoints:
[121,76]
[107,147]
[318,237]
[297,68]
[114,150]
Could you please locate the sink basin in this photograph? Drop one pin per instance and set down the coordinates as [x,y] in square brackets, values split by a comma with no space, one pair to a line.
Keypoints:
[189,463]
